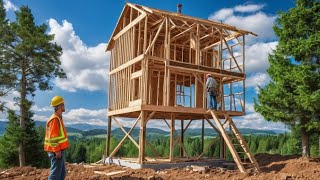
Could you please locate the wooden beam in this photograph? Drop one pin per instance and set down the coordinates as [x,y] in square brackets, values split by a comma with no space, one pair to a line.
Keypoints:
[232,36]
[134,7]
[182,33]
[129,136]
[150,116]
[172,129]
[124,110]
[125,137]
[186,128]
[136,74]
[142,138]
[182,137]
[196,76]
[135,103]
[231,53]
[207,148]
[108,136]
[155,37]
[208,120]
[130,25]
[127,64]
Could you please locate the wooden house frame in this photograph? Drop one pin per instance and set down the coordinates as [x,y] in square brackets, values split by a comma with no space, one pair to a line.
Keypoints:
[158,65]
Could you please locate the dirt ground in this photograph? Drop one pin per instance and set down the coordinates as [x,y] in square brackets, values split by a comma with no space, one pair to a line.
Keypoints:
[272,166]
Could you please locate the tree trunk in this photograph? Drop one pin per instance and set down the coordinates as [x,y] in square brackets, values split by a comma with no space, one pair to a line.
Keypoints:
[22,158]
[305,143]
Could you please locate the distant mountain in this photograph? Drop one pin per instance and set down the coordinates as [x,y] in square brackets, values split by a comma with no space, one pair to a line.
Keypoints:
[86,127]
[85,130]
[82,127]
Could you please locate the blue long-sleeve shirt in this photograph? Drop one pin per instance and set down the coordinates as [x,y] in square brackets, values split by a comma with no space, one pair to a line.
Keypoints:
[211,83]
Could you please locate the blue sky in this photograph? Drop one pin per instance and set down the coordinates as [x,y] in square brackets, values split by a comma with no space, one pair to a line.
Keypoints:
[83,28]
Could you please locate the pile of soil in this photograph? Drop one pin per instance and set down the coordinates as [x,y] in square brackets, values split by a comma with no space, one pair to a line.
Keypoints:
[272,166]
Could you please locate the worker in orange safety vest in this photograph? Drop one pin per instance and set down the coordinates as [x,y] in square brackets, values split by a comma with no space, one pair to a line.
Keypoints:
[56,140]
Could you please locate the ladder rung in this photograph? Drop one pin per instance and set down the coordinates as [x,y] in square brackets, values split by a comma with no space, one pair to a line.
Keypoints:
[247,163]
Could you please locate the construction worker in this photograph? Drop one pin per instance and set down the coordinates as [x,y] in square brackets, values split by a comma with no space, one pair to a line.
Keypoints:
[56,140]
[212,92]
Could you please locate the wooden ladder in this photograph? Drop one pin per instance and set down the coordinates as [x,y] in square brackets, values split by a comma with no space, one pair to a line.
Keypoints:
[244,167]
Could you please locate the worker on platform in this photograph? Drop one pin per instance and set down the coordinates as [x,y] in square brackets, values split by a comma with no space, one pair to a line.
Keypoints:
[212,92]
[56,140]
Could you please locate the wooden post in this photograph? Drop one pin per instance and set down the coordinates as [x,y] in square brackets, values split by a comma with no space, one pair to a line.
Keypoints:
[171,138]
[108,136]
[182,138]
[142,137]
[243,71]
[222,148]
[202,136]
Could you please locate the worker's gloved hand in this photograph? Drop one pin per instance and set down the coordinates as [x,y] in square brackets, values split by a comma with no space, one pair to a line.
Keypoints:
[58,154]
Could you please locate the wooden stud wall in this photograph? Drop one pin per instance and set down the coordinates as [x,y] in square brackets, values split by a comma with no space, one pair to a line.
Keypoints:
[162,60]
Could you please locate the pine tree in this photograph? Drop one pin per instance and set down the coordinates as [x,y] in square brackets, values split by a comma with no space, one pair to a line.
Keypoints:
[6,38]
[293,96]
[29,60]
[14,135]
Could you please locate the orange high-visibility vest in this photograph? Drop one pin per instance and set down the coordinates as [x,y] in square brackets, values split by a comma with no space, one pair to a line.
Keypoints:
[56,135]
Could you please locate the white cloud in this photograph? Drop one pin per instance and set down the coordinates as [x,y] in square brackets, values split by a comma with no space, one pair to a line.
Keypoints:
[249,107]
[40,118]
[8,5]
[82,115]
[257,56]
[248,8]
[256,80]
[221,14]
[86,67]
[35,108]
[256,121]
[257,22]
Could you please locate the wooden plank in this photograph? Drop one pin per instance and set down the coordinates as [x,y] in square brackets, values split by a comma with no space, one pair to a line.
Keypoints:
[133,23]
[202,135]
[136,74]
[214,140]
[232,36]
[109,173]
[231,53]
[135,103]
[216,72]
[127,64]
[155,37]
[125,137]
[182,137]
[174,109]
[182,33]
[136,8]
[172,129]
[142,138]
[108,137]
[145,38]
[211,124]
[124,110]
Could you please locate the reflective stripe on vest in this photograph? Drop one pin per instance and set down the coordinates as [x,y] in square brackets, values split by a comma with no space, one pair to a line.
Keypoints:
[53,142]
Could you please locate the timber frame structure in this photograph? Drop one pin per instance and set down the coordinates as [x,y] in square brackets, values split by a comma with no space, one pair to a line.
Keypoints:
[158,64]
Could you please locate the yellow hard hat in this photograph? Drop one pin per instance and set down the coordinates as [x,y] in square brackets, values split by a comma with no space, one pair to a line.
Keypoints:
[57,100]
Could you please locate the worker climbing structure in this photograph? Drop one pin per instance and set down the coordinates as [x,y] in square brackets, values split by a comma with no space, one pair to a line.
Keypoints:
[158,65]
